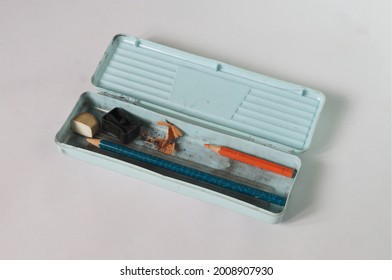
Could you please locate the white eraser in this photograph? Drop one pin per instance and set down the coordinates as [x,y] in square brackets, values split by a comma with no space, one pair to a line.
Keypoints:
[85,124]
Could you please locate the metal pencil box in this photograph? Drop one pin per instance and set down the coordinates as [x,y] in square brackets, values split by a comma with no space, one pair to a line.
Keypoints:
[211,102]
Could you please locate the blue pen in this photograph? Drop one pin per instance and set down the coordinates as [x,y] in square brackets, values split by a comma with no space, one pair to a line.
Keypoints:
[187,171]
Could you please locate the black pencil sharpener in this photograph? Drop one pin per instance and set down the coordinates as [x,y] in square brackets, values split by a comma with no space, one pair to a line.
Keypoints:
[121,124]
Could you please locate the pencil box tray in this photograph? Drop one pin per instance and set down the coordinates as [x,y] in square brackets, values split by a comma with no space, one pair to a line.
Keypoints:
[190,152]
[212,102]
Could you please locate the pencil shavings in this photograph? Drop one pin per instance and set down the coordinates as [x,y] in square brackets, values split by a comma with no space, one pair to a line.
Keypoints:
[166,145]
[168,148]
[173,131]
[170,134]
[163,145]
[176,131]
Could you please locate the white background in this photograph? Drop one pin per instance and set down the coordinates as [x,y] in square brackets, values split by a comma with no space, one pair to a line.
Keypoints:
[55,207]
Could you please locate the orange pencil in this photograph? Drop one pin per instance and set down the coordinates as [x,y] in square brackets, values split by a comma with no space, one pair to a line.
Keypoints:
[252,160]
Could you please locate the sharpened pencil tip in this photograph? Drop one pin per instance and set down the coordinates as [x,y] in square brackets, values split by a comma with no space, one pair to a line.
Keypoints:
[214,148]
[93,141]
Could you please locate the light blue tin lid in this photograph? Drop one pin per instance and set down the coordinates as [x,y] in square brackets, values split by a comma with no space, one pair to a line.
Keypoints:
[252,106]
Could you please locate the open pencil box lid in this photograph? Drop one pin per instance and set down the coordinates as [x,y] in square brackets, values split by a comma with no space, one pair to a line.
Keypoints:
[225,98]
